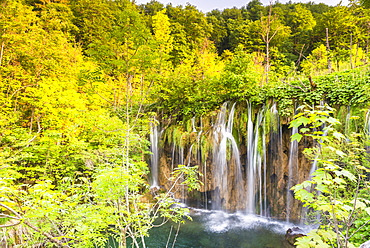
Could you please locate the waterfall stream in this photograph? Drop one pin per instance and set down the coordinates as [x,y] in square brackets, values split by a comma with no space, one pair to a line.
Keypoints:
[254,163]
[154,158]
[292,171]
[224,144]
[244,156]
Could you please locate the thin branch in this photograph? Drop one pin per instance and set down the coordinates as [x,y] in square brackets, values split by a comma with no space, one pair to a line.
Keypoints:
[10,225]
[11,210]
[8,216]
[58,230]
[358,229]
[102,97]
[169,237]
[34,137]
[300,56]
[177,233]
[164,221]
[109,131]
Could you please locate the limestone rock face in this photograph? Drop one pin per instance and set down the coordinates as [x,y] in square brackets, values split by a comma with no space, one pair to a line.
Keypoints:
[233,187]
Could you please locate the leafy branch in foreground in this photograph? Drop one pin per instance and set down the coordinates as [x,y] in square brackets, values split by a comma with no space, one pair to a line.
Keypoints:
[338,188]
[87,213]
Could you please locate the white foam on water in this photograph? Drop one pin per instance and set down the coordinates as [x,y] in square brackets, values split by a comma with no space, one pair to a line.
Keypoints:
[219,222]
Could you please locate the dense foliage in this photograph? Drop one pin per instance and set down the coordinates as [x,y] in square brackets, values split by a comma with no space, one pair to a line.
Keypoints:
[81,81]
[337,190]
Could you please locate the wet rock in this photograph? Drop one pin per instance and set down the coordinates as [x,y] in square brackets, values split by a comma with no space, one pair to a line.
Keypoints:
[365,245]
[292,234]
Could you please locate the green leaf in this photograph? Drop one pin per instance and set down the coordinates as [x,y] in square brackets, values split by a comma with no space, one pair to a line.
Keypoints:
[359,204]
[295,123]
[339,180]
[338,135]
[322,188]
[367,210]
[303,242]
[332,120]
[345,173]
[297,137]
[304,120]
[303,130]
[340,153]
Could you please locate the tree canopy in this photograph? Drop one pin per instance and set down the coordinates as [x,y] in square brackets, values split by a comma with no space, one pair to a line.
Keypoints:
[81,82]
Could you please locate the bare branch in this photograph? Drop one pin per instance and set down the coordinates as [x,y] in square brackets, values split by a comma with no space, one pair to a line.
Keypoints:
[11,210]
[10,224]
[358,229]
[8,216]
[177,233]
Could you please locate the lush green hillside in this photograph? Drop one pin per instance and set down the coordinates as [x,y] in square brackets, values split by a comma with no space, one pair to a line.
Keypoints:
[82,80]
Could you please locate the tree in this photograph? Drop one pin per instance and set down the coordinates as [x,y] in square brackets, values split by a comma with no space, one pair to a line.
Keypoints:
[340,25]
[317,61]
[189,29]
[271,26]
[301,22]
[94,20]
[255,9]
[219,32]
[162,34]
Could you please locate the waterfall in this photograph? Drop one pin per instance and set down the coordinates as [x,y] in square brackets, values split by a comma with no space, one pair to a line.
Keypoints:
[264,209]
[250,164]
[257,184]
[222,140]
[202,165]
[254,163]
[367,123]
[347,125]
[276,166]
[154,157]
[193,125]
[292,172]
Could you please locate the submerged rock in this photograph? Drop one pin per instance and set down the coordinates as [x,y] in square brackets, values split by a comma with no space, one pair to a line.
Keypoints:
[292,234]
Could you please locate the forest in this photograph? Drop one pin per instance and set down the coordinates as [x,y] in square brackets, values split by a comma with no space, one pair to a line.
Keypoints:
[82,82]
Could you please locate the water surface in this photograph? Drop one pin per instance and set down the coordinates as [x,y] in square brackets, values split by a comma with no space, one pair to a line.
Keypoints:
[216,229]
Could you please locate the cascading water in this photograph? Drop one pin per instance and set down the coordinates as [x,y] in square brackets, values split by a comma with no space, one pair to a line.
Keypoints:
[292,172]
[367,123]
[263,211]
[223,138]
[254,164]
[154,158]
[275,165]
[348,121]
[367,128]
[250,174]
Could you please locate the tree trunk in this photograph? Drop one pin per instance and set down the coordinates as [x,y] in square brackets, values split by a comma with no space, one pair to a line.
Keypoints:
[328,50]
